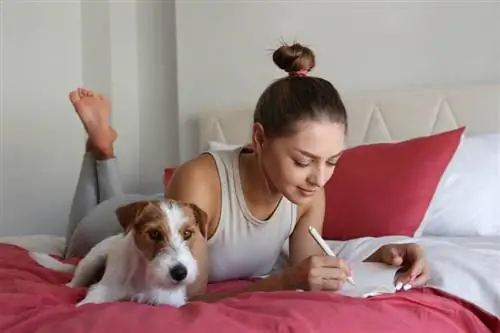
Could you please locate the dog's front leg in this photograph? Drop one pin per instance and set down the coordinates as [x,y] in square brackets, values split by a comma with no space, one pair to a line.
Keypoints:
[90,265]
[175,298]
[100,293]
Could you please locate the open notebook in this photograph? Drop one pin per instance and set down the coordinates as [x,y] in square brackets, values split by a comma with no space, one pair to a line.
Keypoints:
[371,279]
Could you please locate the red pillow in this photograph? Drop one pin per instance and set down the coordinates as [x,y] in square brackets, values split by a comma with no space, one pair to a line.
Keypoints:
[385,188]
[167,176]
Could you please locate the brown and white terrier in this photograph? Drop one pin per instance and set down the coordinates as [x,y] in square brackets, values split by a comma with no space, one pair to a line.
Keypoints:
[150,262]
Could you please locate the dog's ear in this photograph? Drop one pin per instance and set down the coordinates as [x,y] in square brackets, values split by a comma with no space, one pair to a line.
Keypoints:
[201,218]
[129,214]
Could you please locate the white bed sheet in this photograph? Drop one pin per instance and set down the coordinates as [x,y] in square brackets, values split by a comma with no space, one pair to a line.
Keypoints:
[467,267]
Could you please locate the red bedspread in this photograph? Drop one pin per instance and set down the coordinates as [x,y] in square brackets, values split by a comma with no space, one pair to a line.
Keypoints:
[34,299]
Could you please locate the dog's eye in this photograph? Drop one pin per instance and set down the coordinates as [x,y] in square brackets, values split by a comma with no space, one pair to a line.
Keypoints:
[187,234]
[155,235]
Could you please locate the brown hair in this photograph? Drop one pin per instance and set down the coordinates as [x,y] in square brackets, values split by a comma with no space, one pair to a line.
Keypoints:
[297,96]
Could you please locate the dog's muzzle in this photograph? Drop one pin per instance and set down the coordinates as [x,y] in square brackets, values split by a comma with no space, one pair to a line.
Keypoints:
[178,272]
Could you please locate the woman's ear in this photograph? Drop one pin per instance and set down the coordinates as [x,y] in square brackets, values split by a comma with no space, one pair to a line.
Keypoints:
[258,137]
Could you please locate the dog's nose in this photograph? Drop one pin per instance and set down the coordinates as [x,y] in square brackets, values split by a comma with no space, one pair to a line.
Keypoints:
[178,272]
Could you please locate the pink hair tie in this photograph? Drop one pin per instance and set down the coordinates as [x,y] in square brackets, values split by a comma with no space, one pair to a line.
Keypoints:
[303,72]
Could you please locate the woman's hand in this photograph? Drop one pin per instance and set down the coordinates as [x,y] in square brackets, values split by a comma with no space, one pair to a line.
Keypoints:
[317,273]
[415,269]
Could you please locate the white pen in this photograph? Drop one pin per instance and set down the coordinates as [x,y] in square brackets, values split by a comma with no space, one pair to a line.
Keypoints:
[314,233]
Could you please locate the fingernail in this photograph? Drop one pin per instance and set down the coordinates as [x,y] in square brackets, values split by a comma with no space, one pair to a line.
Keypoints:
[407,286]
[399,285]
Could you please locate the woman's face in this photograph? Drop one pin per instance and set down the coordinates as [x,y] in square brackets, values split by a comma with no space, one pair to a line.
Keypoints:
[298,165]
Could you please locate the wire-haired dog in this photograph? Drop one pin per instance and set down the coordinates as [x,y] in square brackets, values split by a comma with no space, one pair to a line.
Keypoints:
[150,262]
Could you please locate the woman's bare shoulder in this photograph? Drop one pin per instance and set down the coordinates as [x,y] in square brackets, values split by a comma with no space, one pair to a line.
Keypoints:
[202,166]
[196,181]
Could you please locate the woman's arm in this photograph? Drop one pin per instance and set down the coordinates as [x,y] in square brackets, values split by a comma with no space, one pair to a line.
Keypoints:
[271,283]
[302,245]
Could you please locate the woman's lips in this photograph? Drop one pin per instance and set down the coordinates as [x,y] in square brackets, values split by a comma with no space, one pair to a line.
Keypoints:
[306,192]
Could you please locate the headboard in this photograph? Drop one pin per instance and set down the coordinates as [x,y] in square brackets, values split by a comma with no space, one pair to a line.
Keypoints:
[384,116]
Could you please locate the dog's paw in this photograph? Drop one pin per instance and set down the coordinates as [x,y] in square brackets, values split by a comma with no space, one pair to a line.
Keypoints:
[176,302]
[174,298]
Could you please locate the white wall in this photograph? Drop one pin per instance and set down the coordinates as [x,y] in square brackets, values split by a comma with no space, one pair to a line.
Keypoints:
[159,138]
[124,49]
[224,60]
[41,141]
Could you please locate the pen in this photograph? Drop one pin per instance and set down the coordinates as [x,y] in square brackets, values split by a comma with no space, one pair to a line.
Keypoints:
[326,248]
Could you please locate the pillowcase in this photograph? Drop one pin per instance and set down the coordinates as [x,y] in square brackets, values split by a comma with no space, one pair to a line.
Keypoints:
[385,188]
[467,200]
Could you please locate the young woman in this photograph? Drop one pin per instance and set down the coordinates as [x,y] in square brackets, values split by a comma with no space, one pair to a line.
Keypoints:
[255,198]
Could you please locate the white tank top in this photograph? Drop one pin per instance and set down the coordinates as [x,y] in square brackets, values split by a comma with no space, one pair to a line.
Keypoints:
[243,246]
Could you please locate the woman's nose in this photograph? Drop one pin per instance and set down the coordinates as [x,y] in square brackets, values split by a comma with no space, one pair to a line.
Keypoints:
[317,178]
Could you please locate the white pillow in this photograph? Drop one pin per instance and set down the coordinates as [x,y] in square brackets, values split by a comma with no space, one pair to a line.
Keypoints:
[215,145]
[467,199]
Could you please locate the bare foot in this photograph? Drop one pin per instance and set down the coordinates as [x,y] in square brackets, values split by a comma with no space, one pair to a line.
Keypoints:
[94,110]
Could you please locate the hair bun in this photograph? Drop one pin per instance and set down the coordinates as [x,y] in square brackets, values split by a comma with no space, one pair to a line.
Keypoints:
[294,58]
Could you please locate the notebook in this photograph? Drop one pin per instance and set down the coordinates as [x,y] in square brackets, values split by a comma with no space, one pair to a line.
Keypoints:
[371,279]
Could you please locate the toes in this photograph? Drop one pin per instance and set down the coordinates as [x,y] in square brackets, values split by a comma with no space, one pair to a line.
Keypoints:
[88,93]
[80,93]
[74,96]
[85,92]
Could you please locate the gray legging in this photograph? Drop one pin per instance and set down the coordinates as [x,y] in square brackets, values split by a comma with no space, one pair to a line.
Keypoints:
[98,194]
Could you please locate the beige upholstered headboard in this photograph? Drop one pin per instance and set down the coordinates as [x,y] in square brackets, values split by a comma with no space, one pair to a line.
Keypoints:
[384,116]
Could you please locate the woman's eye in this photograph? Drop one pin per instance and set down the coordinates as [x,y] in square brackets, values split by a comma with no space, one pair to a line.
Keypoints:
[155,235]
[301,164]
[187,234]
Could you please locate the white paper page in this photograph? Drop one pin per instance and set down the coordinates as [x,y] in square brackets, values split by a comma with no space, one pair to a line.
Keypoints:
[371,279]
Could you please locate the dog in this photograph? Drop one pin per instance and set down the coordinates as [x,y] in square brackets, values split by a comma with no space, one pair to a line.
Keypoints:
[149,262]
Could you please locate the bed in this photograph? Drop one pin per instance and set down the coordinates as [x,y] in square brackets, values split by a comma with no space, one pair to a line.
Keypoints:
[463,294]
